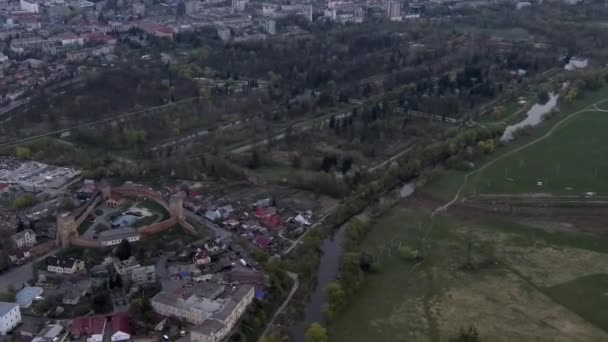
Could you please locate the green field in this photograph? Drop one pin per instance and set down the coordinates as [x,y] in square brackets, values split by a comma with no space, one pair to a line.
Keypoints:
[554,161]
[547,286]
[571,161]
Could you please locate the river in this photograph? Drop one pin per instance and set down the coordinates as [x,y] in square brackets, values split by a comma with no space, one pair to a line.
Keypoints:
[534,116]
[328,271]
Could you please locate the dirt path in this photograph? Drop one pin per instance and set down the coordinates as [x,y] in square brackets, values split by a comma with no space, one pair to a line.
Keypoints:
[590,108]
[296,283]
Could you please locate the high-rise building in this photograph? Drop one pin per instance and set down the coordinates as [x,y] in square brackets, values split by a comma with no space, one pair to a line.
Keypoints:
[393,9]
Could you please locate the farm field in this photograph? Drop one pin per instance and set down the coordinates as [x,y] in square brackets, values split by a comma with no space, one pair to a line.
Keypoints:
[548,284]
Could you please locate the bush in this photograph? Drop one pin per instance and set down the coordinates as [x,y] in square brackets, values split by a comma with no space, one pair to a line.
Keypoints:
[409,254]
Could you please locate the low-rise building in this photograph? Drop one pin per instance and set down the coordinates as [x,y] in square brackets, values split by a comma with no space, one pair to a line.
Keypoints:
[114,237]
[125,267]
[200,305]
[121,327]
[144,275]
[64,265]
[27,295]
[218,326]
[24,238]
[10,317]
[72,292]
[19,255]
[50,333]
[90,327]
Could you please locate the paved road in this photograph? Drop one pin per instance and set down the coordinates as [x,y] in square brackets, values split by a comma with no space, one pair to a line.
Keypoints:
[19,275]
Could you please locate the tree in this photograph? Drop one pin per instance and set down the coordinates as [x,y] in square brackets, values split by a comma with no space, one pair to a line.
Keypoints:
[316,333]
[118,282]
[102,302]
[141,309]
[123,251]
[336,299]
[408,254]
[24,201]
[22,152]
[543,96]
[469,335]
[35,271]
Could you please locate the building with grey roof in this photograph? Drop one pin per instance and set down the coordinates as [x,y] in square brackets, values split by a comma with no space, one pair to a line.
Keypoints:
[115,236]
[200,303]
[214,316]
[27,295]
[10,317]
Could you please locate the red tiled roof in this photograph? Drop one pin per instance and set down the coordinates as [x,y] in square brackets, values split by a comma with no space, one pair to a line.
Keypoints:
[86,326]
[120,323]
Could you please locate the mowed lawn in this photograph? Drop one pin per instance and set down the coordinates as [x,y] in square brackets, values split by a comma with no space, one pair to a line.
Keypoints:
[574,160]
[547,286]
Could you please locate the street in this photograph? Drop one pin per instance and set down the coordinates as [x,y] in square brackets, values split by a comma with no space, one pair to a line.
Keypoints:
[219,232]
[21,274]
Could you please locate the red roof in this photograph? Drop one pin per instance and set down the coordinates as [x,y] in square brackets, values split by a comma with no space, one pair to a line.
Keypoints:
[3,186]
[99,38]
[262,242]
[273,222]
[261,213]
[120,323]
[86,326]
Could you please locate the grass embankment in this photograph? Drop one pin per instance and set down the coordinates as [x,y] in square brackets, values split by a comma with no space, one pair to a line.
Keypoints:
[544,286]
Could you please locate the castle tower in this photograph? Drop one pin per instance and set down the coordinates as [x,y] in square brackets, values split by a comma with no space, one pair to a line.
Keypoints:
[176,206]
[106,189]
[66,228]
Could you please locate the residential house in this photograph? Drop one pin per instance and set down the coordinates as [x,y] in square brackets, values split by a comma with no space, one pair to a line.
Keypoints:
[201,258]
[125,267]
[19,255]
[576,63]
[72,292]
[213,215]
[10,317]
[121,327]
[64,265]
[24,238]
[115,200]
[90,327]
[144,275]
[214,246]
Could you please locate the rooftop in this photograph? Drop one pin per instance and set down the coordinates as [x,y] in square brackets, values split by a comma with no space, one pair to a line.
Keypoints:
[120,323]
[118,233]
[25,297]
[88,326]
[6,307]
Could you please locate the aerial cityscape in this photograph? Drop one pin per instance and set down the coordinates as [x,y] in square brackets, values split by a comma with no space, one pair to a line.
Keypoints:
[303,170]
